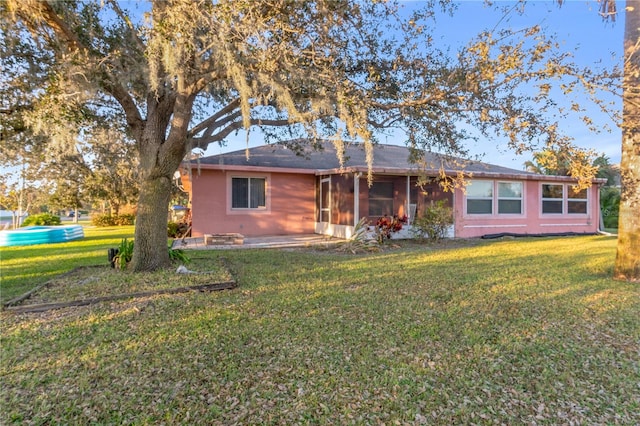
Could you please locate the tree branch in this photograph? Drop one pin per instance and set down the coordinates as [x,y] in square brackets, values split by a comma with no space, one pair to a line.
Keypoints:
[127,21]
[211,121]
[60,27]
[204,141]
[74,44]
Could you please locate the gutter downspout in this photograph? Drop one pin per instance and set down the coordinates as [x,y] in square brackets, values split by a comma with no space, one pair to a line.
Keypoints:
[408,202]
[356,198]
[600,230]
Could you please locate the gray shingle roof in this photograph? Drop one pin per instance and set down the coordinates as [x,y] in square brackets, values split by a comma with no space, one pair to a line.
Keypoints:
[387,158]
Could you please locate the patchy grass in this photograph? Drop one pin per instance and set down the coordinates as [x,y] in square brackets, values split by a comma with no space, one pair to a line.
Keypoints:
[25,267]
[515,332]
[92,282]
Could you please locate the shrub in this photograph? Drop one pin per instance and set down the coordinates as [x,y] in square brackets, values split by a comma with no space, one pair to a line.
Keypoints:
[42,219]
[177,255]
[124,219]
[435,221]
[172,230]
[124,254]
[610,206]
[362,239]
[386,226]
[108,220]
[102,220]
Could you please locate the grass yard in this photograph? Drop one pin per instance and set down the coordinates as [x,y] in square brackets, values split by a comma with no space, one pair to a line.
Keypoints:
[527,331]
[25,267]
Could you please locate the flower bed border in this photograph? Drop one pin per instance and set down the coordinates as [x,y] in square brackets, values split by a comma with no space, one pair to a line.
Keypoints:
[227,285]
[12,305]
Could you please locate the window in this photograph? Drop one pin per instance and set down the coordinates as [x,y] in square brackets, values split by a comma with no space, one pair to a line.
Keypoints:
[491,197]
[509,197]
[552,198]
[480,197]
[577,201]
[381,199]
[563,199]
[248,193]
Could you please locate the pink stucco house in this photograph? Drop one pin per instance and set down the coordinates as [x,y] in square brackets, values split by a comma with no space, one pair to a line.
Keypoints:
[276,190]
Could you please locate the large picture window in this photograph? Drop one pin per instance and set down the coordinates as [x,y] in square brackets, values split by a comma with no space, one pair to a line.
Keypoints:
[248,193]
[381,199]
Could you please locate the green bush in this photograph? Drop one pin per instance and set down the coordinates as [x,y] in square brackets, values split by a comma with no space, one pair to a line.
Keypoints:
[108,220]
[172,230]
[124,254]
[434,223]
[125,219]
[42,219]
[102,220]
[610,206]
[178,256]
[362,239]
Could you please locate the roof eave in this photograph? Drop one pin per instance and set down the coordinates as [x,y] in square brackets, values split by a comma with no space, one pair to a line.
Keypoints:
[258,169]
[477,174]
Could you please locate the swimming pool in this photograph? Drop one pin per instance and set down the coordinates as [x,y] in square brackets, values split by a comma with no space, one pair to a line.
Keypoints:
[40,235]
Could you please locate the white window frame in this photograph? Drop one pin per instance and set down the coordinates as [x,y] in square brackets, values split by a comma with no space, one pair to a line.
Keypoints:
[578,200]
[566,190]
[496,198]
[325,209]
[246,210]
[561,199]
[499,198]
[491,198]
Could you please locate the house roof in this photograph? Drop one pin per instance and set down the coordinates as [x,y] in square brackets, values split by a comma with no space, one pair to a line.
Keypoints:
[299,157]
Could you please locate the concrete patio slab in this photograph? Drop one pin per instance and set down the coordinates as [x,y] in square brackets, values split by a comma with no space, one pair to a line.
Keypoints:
[273,241]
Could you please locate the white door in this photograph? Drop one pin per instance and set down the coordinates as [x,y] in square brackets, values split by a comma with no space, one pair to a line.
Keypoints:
[325,200]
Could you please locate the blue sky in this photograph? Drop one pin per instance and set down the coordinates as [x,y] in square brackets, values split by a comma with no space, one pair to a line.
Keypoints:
[578,29]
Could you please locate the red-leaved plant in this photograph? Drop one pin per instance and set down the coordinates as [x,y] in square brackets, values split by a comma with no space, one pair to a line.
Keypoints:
[386,226]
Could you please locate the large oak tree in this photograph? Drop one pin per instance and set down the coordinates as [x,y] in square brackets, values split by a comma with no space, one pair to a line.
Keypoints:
[183,74]
[628,250]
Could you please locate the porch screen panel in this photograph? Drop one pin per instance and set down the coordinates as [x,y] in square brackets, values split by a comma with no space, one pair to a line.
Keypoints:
[381,199]
[342,200]
[325,197]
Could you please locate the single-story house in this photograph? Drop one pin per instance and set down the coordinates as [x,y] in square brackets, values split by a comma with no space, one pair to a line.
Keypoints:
[274,190]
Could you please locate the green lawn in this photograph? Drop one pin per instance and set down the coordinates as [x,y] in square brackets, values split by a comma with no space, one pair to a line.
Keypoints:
[25,267]
[527,331]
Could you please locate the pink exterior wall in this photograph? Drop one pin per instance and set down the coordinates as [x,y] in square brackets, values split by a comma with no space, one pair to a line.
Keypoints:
[291,208]
[532,220]
[290,204]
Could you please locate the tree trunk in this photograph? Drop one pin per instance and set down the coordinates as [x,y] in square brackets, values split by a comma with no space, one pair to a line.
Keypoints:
[159,159]
[150,248]
[627,265]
